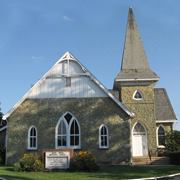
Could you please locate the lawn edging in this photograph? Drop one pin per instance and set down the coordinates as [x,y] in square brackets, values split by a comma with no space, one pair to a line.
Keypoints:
[160,177]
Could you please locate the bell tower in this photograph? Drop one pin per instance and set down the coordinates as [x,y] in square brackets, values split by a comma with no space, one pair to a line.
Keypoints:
[135,83]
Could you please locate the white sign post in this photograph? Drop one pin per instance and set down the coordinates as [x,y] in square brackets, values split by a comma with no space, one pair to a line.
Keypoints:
[57,160]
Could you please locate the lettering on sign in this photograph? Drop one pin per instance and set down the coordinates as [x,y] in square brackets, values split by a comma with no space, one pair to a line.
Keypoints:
[57,160]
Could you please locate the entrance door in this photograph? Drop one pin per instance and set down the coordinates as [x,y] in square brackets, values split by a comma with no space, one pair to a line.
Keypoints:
[139,141]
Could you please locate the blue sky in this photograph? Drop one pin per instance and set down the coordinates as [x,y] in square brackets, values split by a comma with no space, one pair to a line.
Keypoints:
[34,34]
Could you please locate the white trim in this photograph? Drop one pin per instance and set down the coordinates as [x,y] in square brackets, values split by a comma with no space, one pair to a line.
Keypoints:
[157,137]
[1,129]
[103,147]
[166,121]
[137,79]
[56,132]
[68,134]
[79,135]
[29,131]
[68,56]
[146,134]
[137,91]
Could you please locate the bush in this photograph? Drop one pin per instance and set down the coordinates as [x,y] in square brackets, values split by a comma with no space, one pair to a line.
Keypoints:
[2,155]
[173,141]
[84,161]
[174,158]
[17,167]
[29,162]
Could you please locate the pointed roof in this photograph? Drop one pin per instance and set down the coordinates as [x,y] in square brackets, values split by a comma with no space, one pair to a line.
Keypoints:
[163,108]
[69,57]
[134,61]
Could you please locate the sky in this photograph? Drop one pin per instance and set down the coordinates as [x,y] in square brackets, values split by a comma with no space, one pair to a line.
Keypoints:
[34,34]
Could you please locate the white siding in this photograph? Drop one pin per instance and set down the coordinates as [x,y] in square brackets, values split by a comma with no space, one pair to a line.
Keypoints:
[62,69]
[54,85]
[55,88]
[74,68]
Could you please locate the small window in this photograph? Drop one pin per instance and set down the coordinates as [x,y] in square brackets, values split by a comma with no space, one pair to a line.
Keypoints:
[32,138]
[103,137]
[139,129]
[161,136]
[137,95]
[68,81]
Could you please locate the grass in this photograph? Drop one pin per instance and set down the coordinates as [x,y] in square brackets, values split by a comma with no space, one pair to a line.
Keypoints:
[106,173]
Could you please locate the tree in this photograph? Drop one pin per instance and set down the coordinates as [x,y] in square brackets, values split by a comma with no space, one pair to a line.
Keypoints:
[1,118]
[2,122]
[173,141]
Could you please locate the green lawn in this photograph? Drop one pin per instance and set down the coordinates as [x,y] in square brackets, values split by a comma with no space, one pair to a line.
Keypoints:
[106,173]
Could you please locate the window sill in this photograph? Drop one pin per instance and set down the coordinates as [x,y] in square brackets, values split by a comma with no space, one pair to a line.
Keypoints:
[68,147]
[104,148]
[32,149]
[137,99]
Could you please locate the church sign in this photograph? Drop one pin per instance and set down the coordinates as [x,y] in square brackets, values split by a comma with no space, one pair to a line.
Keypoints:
[57,160]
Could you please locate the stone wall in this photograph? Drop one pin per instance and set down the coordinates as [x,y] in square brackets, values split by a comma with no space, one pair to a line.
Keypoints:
[143,110]
[90,112]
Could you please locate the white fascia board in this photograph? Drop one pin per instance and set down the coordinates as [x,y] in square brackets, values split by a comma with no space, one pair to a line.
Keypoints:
[166,121]
[1,129]
[136,79]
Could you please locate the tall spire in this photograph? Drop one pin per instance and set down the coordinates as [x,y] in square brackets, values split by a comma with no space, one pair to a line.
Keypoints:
[134,61]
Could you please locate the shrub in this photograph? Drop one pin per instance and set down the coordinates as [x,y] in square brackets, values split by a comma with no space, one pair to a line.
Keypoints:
[84,161]
[173,141]
[17,167]
[174,158]
[29,162]
[2,155]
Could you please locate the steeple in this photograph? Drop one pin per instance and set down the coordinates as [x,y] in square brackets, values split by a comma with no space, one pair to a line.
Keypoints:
[134,65]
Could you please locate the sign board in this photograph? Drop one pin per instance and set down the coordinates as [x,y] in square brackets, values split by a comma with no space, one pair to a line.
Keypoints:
[57,160]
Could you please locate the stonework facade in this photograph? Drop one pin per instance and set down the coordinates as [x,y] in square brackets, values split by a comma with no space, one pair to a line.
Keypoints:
[90,112]
[143,110]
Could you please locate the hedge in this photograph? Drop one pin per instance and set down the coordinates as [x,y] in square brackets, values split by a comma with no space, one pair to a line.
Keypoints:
[174,157]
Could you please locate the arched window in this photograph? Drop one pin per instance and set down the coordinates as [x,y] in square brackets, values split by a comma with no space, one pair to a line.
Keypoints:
[103,137]
[32,138]
[62,134]
[161,136]
[137,95]
[74,133]
[139,129]
[67,132]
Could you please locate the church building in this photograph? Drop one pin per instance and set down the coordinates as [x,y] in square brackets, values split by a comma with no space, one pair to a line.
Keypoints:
[69,108]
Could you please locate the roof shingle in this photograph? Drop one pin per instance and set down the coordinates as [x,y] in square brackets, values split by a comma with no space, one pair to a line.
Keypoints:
[163,107]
